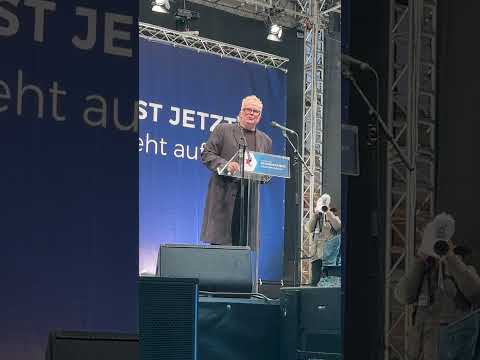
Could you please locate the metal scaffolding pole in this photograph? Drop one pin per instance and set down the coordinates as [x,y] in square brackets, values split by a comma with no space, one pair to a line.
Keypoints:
[412,120]
[313,112]
[312,128]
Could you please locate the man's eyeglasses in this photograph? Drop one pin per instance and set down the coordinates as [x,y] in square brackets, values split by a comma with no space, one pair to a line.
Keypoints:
[251,111]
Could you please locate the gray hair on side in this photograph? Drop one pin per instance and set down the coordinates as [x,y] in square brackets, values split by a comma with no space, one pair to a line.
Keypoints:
[254,98]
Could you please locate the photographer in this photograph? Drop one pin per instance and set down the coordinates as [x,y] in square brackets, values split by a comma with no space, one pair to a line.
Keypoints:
[327,240]
[442,287]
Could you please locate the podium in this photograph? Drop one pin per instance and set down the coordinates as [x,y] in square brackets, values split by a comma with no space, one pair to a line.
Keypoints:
[256,168]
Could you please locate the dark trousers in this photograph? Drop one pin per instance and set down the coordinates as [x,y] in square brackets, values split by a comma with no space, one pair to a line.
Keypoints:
[237,238]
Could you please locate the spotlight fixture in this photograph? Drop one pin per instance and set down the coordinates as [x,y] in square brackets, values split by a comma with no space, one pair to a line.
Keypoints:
[161,6]
[183,13]
[275,32]
[183,18]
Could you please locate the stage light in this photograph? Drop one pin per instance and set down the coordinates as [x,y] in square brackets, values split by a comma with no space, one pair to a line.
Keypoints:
[275,32]
[183,17]
[161,6]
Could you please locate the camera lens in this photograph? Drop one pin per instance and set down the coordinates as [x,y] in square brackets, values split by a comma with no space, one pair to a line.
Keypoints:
[324,208]
[440,247]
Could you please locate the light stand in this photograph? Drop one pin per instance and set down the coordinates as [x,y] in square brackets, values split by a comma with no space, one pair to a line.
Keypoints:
[297,160]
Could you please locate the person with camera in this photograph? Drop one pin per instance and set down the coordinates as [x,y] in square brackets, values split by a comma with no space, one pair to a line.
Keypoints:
[326,240]
[441,286]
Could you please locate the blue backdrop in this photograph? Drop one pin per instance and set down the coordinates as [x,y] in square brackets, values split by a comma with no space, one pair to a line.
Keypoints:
[69,178]
[184,94]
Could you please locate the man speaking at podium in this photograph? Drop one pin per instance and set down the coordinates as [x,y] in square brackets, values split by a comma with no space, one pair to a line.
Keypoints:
[221,216]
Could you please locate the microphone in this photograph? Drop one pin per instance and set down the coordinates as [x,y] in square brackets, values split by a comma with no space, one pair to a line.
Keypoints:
[348,60]
[243,143]
[281,127]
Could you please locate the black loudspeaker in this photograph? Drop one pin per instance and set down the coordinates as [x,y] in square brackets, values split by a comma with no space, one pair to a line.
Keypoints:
[168,314]
[289,326]
[238,329]
[314,315]
[81,345]
[270,289]
[218,268]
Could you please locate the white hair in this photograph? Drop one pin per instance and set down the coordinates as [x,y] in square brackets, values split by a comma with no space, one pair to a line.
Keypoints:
[254,98]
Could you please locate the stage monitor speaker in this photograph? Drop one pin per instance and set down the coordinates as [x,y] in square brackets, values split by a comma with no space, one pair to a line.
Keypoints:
[238,329]
[81,345]
[218,268]
[314,315]
[168,318]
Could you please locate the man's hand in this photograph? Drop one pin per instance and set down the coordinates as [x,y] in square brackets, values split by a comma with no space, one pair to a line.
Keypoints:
[451,247]
[233,167]
[329,215]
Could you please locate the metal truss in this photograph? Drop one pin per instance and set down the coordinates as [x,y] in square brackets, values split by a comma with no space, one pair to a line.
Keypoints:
[412,120]
[312,150]
[188,40]
[288,13]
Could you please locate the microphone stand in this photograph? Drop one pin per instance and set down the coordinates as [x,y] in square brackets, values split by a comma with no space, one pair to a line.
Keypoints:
[297,160]
[348,75]
[241,156]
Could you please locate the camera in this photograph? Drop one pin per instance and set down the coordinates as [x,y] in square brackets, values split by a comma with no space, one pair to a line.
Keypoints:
[436,236]
[323,203]
[441,247]
[443,231]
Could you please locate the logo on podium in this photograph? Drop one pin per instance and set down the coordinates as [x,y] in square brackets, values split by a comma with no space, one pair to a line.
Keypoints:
[250,161]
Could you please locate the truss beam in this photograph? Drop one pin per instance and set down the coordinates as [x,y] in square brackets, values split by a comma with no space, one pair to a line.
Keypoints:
[286,13]
[412,121]
[312,151]
[188,40]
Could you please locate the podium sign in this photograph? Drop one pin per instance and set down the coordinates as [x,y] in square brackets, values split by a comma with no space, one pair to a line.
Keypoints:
[267,164]
[260,166]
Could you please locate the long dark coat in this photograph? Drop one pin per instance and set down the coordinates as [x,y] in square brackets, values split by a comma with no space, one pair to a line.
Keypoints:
[222,144]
